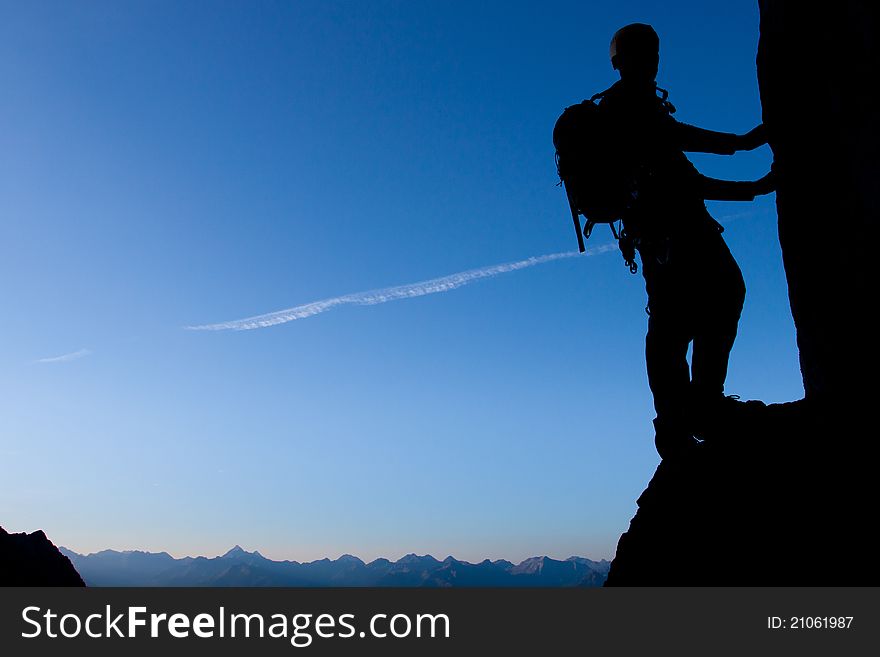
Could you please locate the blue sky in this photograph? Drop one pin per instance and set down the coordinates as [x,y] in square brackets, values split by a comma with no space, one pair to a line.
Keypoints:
[166,164]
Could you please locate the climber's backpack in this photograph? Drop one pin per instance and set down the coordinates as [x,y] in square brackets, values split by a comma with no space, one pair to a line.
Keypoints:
[598,184]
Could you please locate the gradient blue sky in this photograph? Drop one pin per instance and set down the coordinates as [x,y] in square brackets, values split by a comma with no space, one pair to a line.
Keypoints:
[164,164]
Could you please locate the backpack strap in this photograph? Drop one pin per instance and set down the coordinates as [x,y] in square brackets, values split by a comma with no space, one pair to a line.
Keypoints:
[667,105]
[601,94]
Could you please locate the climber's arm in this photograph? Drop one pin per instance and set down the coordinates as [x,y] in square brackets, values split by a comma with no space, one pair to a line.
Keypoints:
[713,189]
[692,138]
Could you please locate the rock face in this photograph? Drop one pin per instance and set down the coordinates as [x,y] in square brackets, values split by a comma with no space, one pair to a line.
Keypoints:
[32,560]
[817,67]
[784,494]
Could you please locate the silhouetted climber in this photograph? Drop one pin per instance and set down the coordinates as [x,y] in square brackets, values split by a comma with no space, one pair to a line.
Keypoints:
[695,288]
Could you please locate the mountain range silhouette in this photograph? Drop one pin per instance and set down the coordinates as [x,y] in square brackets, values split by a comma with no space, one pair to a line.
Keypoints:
[238,567]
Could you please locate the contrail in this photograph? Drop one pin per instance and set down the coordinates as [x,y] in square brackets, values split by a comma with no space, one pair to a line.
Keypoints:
[66,357]
[409,291]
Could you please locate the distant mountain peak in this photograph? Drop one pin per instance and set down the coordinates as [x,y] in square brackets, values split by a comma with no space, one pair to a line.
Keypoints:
[349,558]
[412,557]
[237,552]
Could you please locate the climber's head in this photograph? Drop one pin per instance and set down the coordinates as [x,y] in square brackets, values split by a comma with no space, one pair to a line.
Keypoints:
[635,52]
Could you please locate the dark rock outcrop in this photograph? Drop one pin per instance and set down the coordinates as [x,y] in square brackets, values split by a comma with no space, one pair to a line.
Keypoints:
[784,494]
[817,70]
[773,498]
[33,560]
